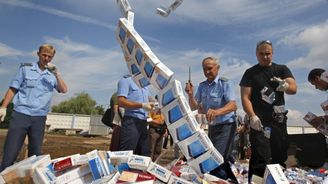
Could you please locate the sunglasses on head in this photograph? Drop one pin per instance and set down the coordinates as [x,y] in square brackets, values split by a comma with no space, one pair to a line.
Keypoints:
[263,42]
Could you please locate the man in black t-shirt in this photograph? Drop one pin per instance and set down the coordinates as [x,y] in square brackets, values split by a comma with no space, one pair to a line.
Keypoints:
[262,92]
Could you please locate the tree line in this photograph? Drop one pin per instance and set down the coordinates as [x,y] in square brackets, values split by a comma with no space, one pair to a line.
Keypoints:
[81,103]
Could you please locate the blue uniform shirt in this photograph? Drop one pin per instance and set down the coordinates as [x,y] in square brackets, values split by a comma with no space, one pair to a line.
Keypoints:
[216,95]
[129,89]
[34,90]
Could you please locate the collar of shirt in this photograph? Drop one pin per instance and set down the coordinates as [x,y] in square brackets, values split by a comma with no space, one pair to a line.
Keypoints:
[215,81]
[36,67]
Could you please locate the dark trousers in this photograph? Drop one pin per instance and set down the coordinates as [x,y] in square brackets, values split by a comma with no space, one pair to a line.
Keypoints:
[134,136]
[156,143]
[21,125]
[268,151]
[115,140]
[222,136]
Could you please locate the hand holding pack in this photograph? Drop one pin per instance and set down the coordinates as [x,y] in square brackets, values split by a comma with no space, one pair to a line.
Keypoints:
[283,85]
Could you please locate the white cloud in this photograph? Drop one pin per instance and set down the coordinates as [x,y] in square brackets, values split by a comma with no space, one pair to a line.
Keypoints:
[59,13]
[315,39]
[295,117]
[226,12]
[6,51]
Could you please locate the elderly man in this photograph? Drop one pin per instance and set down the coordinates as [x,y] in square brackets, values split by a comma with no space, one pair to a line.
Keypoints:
[215,97]
[31,91]
[262,93]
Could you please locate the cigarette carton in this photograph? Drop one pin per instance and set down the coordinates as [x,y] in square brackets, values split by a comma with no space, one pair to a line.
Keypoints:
[195,145]
[141,80]
[147,62]
[175,110]
[170,93]
[162,76]
[274,175]
[139,162]
[177,180]
[95,165]
[183,128]
[207,161]
[159,172]
[124,6]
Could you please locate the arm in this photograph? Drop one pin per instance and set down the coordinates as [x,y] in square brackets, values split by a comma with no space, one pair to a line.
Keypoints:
[8,97]
[246,102]
[189,89]
[61,85]
[229,107]
[123,102]
[292,86]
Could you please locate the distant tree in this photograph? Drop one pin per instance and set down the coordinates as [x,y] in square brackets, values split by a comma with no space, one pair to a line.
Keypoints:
[82,103]
[10,108]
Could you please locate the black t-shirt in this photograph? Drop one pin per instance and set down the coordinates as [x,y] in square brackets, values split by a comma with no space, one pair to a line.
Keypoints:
[258,77]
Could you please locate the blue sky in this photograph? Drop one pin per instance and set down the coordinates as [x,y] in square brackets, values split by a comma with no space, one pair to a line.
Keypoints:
[90,59]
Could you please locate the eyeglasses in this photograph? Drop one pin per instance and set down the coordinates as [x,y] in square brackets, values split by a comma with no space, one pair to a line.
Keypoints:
[263,42]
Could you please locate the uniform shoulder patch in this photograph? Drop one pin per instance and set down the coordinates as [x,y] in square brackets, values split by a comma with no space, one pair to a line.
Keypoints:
[224,78]
[127,76]
[26,64]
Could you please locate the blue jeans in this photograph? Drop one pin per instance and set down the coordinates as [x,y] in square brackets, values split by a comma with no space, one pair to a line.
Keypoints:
[21,125]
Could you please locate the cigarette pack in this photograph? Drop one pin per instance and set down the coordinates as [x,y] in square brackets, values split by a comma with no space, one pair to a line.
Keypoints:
[159,172]
[324,106]
[95,164]
[141,80]
[134,176]
[177,180]
[139,162]
[324,76]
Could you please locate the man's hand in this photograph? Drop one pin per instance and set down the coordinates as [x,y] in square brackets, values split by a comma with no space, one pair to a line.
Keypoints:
[3,112]
[189,89]
[255,123]
[148,106]
[52,68]
[283,85]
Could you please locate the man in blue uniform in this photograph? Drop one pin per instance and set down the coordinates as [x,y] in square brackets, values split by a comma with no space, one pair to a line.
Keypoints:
[31,91]
[262,93]
[215,97]
[135,101]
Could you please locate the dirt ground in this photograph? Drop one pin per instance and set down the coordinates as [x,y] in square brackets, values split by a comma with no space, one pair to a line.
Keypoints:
[58,145]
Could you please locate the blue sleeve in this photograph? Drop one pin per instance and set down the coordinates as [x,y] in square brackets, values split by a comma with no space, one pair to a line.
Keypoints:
[229,94]
[19,78]
[123,87]
[198,94]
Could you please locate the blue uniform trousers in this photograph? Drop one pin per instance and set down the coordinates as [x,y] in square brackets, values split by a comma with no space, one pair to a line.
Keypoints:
[222,136]
[134,136]
[21,125]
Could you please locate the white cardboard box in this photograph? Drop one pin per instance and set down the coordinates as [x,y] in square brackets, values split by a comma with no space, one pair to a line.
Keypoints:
[207,161]
[162,76]
[159,172]
[195,145]
[170,93]
[183,128]
[139,162]
[176,110]
[274,175]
